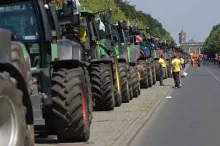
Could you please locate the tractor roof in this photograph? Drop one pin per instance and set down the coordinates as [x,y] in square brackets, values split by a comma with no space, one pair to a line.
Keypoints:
[86,13]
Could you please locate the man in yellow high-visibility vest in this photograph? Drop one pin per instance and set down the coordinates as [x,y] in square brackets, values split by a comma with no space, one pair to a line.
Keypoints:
[176,65]
[163,65]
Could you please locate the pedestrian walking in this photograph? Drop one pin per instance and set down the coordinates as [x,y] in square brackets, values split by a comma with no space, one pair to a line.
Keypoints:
[176,64]
[182,60]
[198,60]
[181,70]
[162,65]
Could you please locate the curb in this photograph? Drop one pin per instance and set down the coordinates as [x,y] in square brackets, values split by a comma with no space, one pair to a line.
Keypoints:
[138,124]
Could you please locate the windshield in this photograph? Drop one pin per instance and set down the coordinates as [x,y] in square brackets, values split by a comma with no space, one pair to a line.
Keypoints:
[19,18]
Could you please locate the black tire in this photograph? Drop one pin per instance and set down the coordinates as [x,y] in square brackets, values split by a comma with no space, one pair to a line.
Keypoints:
[157,70]
[130,85]
[118,96]
[169,71]
[134,81]
[125,92]
[144,76]
[70,107]
[154,75]
[139,86]
[25,133]
[102,86]
[150,79]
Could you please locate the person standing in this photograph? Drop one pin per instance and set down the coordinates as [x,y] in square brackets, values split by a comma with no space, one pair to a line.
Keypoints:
[198,60]
[182,62]
[162,65]
[176,64]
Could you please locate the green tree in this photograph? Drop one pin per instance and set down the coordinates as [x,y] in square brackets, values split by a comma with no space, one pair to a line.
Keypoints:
[212,43]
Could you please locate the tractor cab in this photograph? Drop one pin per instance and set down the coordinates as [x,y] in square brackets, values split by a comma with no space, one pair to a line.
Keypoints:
[109,39]
[21,18]
[129,46]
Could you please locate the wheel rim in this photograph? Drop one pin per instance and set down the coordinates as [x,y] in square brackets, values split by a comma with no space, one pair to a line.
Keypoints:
[8,122]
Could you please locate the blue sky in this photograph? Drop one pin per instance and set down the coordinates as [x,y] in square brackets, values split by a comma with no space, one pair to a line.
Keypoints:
[197,17]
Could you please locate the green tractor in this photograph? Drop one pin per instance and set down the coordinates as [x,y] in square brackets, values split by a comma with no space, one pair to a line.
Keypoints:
[105,81]
[128,62]
[101,76]
[44,78]
[108,47]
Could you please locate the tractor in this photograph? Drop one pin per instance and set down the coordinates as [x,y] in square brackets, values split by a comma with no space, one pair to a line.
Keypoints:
[44,77]
[105,81]
[145,58]
[109,46]
[128,60]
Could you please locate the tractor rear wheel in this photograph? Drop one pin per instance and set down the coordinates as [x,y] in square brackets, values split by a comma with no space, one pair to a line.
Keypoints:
[134,81]
[70,104]
[150,79]
[125,92]
[154,75]
[102,86]
[130,85]
[144,81]
[13,128]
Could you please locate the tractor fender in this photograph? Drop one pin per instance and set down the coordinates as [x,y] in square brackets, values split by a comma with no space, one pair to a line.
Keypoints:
[71,63]
[67,50]
[8,67]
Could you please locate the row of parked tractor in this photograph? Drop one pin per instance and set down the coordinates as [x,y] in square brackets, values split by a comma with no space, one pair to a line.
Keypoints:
[57,67]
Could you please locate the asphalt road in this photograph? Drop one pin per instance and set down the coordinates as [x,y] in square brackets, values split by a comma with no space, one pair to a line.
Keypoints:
[191,117]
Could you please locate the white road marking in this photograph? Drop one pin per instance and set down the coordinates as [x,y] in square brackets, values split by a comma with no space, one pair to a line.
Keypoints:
[213,74]
[168,96]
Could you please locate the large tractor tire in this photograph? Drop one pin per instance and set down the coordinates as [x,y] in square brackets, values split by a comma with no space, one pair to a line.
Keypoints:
[154,75]
[150,78]
[130,84]
[118,80]
[157,70]
[144,75]
[70,105]
[125,90]
[13,128]
[169,71]
[134,81]
[102,87]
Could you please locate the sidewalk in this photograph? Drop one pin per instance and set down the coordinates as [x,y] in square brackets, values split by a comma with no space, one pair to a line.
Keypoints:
[116,128]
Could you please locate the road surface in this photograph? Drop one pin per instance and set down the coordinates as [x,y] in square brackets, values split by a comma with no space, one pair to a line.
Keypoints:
[191,117]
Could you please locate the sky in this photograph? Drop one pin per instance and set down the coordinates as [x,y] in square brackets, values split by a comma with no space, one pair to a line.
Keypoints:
[196,17]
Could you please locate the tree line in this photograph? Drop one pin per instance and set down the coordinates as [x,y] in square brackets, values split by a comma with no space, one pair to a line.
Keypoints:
[212,43]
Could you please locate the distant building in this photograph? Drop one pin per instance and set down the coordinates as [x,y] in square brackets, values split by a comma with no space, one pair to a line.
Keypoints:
[182,37]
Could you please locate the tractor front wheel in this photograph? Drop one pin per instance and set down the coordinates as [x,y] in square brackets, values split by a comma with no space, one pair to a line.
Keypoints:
[13,128]
[102,86]
[134,81]
[70,104]
[125,92]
